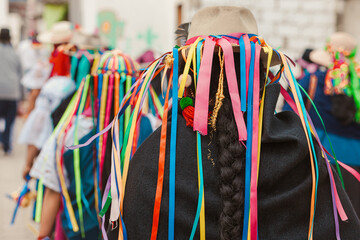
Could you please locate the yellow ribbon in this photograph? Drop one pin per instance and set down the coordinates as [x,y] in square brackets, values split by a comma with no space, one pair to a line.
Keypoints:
[132,129]
[187,67]
[65,193]
[296,98]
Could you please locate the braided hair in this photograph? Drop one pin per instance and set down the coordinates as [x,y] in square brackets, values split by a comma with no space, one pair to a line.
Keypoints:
[231,163]
[231,153]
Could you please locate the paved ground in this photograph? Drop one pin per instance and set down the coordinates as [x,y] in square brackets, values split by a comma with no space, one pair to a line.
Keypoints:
[10,180]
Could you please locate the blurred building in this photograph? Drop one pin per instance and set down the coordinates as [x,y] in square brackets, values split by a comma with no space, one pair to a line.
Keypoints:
[139,25]
[290,25]
[349,18]
[293,25]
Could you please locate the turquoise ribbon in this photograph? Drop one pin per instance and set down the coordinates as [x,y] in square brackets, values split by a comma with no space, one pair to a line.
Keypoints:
[312,146]
[242,74]
[326,134]
[249,143]
[198,58]
[201,188]
[173,145]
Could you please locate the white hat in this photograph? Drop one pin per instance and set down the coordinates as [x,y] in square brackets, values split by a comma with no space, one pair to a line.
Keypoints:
[339,41]
[222,20]
[61,32]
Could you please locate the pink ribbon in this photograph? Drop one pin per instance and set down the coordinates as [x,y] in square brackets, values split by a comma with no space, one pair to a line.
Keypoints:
[233,87]
[203,88]
[350,170]
[106,122]
[288,99]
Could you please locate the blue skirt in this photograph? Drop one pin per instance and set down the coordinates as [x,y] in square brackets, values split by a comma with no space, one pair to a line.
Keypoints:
[347,150]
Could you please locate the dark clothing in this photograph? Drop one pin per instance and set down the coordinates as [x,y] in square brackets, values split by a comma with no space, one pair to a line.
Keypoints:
[10,90]
[345,139]
[284,187]
[8,113]
[352,188]
[60,110]
[323,104]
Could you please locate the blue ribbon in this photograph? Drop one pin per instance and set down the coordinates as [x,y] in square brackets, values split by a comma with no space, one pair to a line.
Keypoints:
[249,143]
[173,145]
[100,82]
[242,74]
[21,196]
[121,118]
[198,57]
[123,227]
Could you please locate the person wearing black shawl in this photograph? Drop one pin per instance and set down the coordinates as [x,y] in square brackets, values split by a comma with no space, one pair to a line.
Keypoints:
[285,174]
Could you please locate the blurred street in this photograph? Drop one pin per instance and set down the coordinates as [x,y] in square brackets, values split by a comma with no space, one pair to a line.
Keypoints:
[10,178]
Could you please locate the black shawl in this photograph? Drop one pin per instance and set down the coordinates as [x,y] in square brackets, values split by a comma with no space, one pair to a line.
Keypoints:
[284,189]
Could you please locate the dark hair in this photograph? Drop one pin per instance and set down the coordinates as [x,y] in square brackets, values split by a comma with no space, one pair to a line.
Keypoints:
[231,161]
[5,35]
[231,165]
[343,108]
[306,55]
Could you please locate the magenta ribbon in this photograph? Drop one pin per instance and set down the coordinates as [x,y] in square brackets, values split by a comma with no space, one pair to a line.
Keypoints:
[255,147]
[106,122]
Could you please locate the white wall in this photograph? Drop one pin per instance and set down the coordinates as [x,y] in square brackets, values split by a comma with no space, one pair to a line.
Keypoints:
[4,12]
[292,25]
[156,17]
[89,8]
[140,16]
[350,19]
[12,21]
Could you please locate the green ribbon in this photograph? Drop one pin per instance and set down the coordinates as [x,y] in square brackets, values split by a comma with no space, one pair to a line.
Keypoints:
[77,170]
[106,205]
[355,88]
[327,136]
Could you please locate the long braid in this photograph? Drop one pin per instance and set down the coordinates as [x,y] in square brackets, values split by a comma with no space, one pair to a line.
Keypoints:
[231,166]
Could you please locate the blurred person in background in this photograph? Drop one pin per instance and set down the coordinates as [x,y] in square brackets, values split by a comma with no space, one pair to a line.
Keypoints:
[34,58]
[58,63]
[10,89]
[38,126]
[333,85]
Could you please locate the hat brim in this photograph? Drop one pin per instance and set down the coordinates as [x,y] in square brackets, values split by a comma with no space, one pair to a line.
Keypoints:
[49,37]
[320,57]
[44,37]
